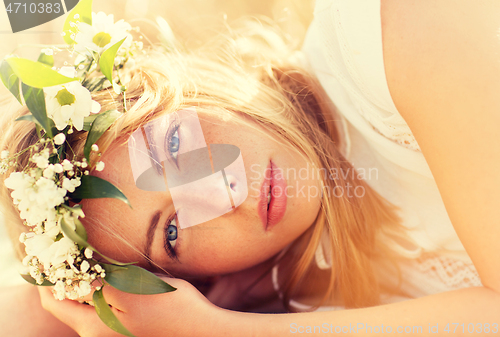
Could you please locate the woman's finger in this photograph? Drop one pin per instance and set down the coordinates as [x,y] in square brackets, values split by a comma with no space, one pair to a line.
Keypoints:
[80,317]
[66,311]
[125,302]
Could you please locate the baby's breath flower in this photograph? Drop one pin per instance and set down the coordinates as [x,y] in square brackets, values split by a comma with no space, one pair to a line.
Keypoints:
[60,290]
[88,253]
[35,198]
[59,139]
[49,172]
[58,168]
[94,147]
[67,166]
[84,288]
[40,161]
[4,154]
[99,166]
[70,184]
[84,266]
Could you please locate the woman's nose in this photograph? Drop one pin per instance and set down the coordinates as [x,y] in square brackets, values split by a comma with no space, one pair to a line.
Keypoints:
[216,193]
[203,200]
[236,181]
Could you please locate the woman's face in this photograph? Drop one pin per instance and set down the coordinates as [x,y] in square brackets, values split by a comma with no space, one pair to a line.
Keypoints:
[237,240]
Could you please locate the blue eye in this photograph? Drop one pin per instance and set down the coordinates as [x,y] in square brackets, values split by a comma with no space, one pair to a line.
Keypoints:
[173,144]
[171,233]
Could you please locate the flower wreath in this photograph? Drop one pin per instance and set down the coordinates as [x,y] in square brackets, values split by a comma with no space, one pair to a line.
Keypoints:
[57,251]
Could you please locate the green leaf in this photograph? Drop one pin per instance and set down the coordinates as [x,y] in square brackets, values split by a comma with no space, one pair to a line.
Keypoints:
[107,60]
[35,100]
[31,280]
[37,74]
[93,187]
[84,10]
[135,280]
[80,230]
[106,314]
[48,60]
[10,79]
[87,122]
[28,117]
[99,126]
[76,236]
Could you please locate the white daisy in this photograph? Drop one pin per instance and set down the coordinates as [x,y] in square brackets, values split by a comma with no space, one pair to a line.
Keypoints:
[102,34]
[69,103]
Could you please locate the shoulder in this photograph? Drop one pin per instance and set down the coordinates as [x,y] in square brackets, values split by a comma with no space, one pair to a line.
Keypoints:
[438,51]
[442,61]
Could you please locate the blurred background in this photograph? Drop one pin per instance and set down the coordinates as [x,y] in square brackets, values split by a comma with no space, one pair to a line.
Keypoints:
[190,20]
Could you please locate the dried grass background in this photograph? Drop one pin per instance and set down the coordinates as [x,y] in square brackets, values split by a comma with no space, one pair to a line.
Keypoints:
[189,19]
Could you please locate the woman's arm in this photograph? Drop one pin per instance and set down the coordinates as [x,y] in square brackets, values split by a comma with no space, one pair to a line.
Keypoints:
[443,68]
[462,312]
[22,315]
[186,313]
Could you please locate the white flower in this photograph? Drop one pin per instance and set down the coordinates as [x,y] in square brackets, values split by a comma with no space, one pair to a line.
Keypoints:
[69,103]
[102,34]
[51,225]
[85,266]
[58,168]
[36,273]
[99,166]
[49,172]
[71,184]
[4,154]
[18,181]
[61,250]
[39,246]
[60,290]
[88,253]
[59,139]
[98,268]
[42,161]
[35,199]
[67,166]
[95,147]
[84,288]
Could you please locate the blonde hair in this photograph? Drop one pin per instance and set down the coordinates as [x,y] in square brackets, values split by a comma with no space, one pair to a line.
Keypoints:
[252,72]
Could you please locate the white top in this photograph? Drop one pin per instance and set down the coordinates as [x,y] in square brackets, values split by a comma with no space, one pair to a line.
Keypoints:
[344,49]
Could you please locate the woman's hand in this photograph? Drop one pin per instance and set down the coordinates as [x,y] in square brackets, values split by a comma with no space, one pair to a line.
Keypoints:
[183,312]
[22,315]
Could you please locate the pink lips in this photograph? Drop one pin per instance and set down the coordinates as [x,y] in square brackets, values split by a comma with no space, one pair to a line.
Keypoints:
[276,183]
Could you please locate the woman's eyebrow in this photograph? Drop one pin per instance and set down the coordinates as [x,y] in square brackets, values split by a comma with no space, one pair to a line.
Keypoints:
[151,234]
